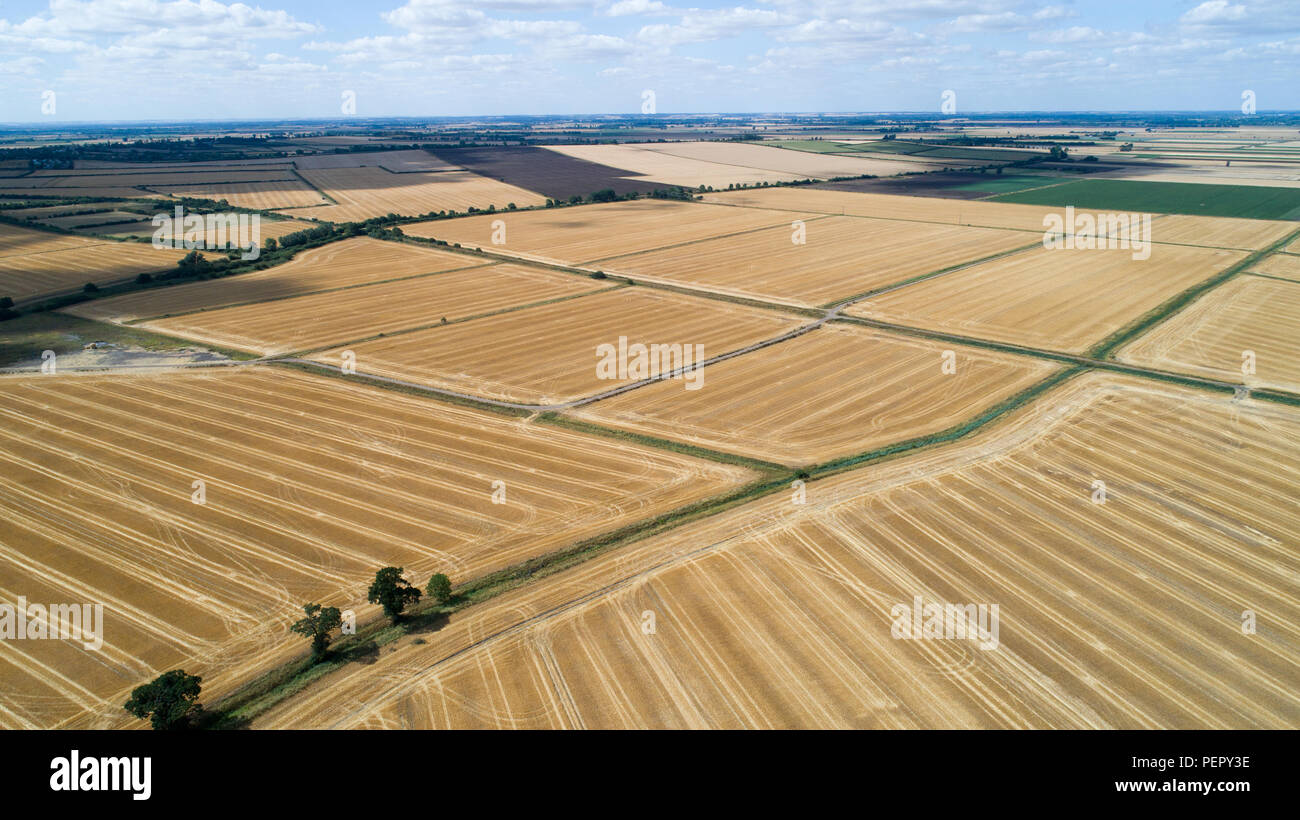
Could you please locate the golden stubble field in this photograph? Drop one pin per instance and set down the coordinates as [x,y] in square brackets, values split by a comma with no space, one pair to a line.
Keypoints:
[320,320]
[310,485]
[284,193]
[33,263]
[1212,336]
[548,354]
[1059,299]
[594,232]
[814,262]
[834,392]
[1219,232]
[1284,265]
[1122,614]
[357,261]
[886,206]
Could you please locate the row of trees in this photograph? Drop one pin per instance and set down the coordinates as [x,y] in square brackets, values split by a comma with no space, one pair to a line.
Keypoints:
[171,700]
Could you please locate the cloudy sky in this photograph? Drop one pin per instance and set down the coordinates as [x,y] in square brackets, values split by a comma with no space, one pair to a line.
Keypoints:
[184,59]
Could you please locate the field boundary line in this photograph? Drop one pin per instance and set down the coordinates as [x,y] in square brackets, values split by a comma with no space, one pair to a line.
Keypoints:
[689,242]
[405,330]
[1109,346]
[304,293]
[1269,276]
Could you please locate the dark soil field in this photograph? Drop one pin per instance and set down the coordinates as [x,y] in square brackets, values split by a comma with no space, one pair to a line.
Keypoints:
[548,173]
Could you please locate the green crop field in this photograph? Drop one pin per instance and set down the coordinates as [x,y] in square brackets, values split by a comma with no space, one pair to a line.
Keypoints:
[1248,201]
[1007,183]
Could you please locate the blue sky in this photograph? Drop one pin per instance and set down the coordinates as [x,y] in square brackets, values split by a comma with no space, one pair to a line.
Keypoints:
[186,59]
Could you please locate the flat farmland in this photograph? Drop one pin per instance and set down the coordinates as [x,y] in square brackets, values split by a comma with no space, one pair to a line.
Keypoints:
[170,177]
[44,211]
[81,220]
[362,193]
[1284,265]
[1251,201]
[834,392]
[18,241]
[588,233]
[841,256]
[1062,299]
[24,276]
[1211,336]
[644,162]
[34,195]
[144,228]
[801,164]
[1126,614]
[323,319]
[357,261]
[547,354]
[884,206]
[1250,234]
[549,173]
[311,484]
[286,193]
[211,169]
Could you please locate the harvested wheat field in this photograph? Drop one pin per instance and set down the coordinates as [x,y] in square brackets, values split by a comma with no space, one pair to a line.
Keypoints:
[1219,232]
[644,162]
[212,235]
[801,164]
[834,392]
[357,261]
[1126,614]
[314,321]
[82,220]
[588,233]
[1287,266]
[19,241]
[287,193]
[362,193]
[43,211]
[24,276]
[548,354]
[1211,336]
[1061,299]
[886,206]
[308,489]
[840,256]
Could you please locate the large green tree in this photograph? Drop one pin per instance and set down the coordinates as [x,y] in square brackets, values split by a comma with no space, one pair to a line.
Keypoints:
[167,701]
[317,626]
[439,588]
[393,592]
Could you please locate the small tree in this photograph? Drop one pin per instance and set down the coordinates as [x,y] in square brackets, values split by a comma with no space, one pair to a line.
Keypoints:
[271,244]
[168,701]
[393,592]
[317,626]
[439,588]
